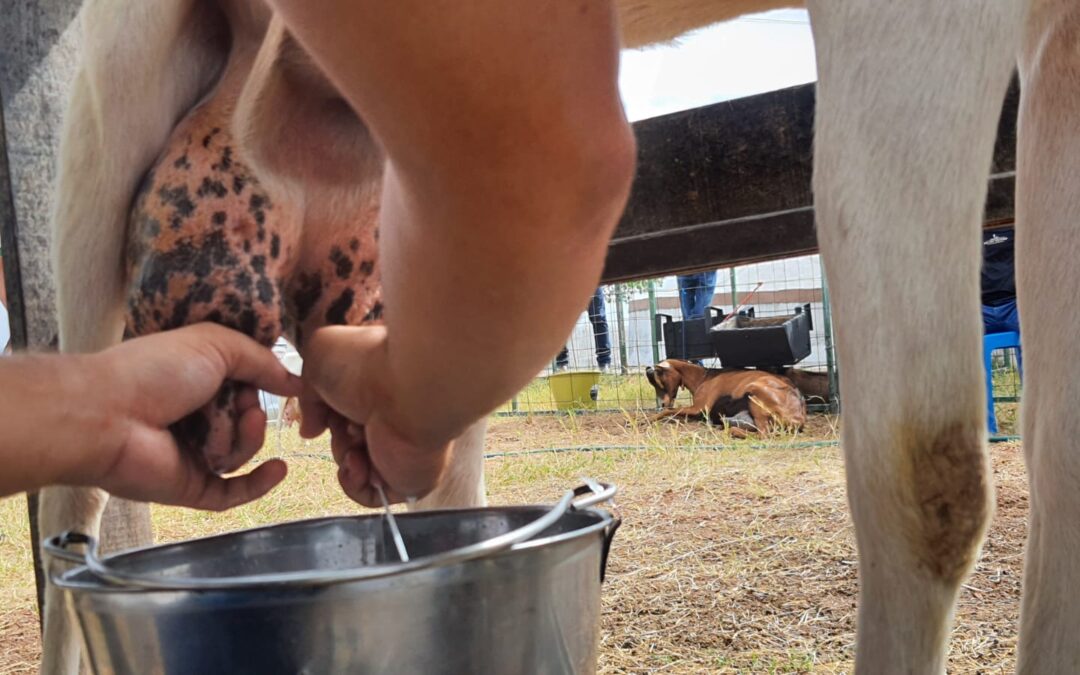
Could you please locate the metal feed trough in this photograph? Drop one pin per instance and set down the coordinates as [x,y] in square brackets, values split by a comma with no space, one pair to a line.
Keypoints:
[748,342]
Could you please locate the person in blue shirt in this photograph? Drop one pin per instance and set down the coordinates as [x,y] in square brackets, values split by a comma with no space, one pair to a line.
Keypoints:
[999,283]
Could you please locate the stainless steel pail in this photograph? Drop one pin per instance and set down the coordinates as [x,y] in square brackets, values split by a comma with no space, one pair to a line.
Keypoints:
[494,590]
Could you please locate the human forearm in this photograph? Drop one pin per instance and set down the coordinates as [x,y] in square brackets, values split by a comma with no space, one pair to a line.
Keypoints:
[103,419]
[474,312]
[52,420]
[509,162]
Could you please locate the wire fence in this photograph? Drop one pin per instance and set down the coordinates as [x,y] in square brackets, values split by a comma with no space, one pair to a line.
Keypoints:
[620,333]
[1005,378]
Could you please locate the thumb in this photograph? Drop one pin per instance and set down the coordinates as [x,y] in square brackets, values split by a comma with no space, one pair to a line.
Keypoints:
[409,469]
[344,365]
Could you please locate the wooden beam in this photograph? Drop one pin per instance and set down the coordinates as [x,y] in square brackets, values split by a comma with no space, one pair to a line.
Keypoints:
[9,233]
[729,184]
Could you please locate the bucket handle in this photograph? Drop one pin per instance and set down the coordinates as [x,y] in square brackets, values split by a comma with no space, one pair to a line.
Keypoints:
[59,547]
[602,493]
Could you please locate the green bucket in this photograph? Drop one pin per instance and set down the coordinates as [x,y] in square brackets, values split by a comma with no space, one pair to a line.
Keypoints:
[575,390]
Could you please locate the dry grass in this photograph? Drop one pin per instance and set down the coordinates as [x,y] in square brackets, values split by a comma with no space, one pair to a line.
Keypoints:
[739,560]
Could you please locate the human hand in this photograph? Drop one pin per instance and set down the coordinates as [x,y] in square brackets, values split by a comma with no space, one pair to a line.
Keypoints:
[348,389]
[157,380]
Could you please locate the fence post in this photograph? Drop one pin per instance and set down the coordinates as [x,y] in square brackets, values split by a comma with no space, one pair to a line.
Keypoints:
[652,323]
[620,318]
[830,361]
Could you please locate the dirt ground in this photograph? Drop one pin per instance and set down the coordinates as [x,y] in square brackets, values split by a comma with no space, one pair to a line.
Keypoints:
[733,556]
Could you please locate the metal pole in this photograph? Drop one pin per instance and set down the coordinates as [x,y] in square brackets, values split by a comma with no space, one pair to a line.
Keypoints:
[734,292]
[830,362]
[652,323]
[9,244]
[622,328]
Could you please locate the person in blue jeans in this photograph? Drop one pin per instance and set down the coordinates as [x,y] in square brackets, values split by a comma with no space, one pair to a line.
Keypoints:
[999,283]
[598,319]
[696,294]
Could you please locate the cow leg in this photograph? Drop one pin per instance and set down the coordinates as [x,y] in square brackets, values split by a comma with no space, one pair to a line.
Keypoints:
[126,95]
[1048,243]
[908,99]
[462,486]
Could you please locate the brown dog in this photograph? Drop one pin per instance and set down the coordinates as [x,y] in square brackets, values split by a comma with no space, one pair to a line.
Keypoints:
[813,386]
[726,395]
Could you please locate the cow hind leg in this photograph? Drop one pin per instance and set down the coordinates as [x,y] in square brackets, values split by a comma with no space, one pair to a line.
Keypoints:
[1048,245]
[462,486]
[109,137]
[908,100]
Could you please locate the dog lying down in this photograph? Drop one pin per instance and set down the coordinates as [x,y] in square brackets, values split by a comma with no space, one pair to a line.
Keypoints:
[745,401]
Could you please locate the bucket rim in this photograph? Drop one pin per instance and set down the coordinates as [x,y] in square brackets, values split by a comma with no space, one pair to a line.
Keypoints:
[93,584]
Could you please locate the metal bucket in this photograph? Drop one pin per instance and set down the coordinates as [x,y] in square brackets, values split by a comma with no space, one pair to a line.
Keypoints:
[495,590]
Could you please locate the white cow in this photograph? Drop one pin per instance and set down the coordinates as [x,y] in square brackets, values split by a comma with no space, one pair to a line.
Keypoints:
[908,98]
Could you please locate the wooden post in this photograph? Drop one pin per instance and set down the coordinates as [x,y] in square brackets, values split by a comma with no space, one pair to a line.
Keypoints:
[12,283]
[38,46]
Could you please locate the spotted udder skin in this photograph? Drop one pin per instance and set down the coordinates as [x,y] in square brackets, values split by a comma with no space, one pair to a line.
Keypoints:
[207,242]
[336,283]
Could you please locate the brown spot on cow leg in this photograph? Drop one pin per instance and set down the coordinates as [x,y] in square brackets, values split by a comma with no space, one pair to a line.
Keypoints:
[953,497]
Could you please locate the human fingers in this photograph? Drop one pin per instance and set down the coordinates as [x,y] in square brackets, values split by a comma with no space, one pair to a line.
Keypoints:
[215,493]
[354,476]
[343,365]
[341,442]
[314,413]
[250,435]
[406,469]
[244,359]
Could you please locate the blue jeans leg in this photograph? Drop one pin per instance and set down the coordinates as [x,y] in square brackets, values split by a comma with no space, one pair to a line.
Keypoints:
[601,336]
[696,293]
[1002,318]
